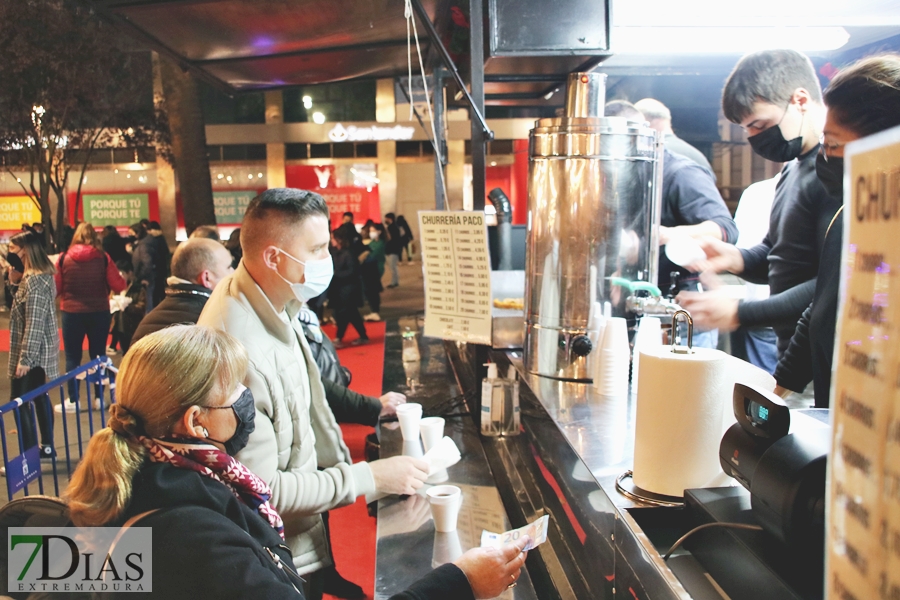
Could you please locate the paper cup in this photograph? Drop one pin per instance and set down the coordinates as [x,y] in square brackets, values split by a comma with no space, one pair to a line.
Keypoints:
[409,415]
[684,250]
[412,448]
[432,430]
[445,501]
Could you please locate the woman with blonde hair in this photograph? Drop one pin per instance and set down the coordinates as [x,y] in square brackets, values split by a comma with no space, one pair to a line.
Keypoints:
[85,276]
[167,458]
[33,341]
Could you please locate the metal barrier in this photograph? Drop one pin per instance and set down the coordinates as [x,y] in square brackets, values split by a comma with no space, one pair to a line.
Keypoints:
[25,467]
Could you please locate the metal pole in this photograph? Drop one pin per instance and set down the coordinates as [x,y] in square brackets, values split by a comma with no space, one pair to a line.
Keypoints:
[440,145]
[476,108]
[479,137]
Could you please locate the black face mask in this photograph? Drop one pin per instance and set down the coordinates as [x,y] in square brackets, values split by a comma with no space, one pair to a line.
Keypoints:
[15,261]
[771,145]
[831,173]
[245,413]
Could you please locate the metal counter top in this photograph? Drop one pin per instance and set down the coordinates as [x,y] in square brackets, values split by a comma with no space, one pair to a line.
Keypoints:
[407,544]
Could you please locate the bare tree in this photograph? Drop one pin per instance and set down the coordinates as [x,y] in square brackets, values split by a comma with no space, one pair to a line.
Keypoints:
[69,89]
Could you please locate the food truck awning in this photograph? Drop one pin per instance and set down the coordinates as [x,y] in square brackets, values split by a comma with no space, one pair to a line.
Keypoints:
[246,45]
[530,45]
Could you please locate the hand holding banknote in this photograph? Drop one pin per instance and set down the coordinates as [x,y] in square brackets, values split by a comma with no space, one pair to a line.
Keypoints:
[491,570]
[536,533]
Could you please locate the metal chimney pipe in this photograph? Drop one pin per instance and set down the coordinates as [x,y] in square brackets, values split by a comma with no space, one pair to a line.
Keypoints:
[585,94]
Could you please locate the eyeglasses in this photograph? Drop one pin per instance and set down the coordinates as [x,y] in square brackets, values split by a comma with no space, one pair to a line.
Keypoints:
[829,148]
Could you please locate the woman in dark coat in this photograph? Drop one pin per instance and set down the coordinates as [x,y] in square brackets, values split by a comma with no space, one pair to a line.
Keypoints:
[166,461]
[345,291]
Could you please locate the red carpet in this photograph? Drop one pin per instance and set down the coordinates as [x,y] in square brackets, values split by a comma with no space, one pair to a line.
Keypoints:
[352,529]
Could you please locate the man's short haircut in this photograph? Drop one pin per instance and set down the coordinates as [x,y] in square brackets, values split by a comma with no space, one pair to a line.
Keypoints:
[193,257]
[272,214]
[154,225]
[623,108]
[865,97]
[768,76]
[348,214]
[653,109]
[210,232]
[389,216]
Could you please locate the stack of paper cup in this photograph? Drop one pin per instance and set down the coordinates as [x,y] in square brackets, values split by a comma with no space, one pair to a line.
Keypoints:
[649,335]
[614,355]
[409,415]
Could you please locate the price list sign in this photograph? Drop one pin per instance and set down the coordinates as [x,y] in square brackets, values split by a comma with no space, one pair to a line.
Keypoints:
[457,275]
[863,513]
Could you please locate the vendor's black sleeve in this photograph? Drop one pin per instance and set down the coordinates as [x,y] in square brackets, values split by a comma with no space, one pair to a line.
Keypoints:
[778,310]
[795,369]
[351,407]
[447,582]
[756,262]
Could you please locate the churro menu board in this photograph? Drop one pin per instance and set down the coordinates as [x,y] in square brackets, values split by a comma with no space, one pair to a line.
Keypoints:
[863,510]
[457,270]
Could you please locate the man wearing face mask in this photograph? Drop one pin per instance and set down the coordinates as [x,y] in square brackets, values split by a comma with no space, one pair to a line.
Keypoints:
[296,447]
[774,95]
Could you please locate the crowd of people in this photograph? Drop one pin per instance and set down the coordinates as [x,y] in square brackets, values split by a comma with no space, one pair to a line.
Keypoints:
[360,258]
[243,458]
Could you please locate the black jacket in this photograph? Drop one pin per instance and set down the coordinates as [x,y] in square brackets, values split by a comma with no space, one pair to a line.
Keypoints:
[143,260]
[209,544]
[183,304]
[810,354]
[345,290]
[788,257]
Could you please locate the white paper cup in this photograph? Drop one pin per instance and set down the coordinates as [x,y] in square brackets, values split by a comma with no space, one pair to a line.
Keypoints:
[412,448]
[684,251]
[438,477]
[445,501]
[432,430]
[409,415]
[615,336]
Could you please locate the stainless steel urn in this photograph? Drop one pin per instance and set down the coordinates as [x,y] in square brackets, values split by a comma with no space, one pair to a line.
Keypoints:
[593,214]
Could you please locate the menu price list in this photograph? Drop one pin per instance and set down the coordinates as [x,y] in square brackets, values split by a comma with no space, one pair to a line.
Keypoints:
[863,515]
[457,273]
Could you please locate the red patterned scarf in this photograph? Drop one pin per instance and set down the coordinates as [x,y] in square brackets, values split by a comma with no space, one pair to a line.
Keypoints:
[211,462]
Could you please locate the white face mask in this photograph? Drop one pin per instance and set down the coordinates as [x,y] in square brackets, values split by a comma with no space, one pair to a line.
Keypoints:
[317,277]
[373,235]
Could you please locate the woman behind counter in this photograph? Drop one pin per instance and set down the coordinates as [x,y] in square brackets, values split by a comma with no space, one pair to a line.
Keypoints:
[169,448]
[862,99]
[33,339]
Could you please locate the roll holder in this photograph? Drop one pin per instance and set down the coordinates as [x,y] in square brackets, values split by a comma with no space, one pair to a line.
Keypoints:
[625,482]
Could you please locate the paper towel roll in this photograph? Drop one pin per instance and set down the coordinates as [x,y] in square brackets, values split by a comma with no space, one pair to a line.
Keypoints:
[683,409]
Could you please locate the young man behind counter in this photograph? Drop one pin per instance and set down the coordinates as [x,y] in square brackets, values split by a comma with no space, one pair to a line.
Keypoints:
[774,95]
[296,448]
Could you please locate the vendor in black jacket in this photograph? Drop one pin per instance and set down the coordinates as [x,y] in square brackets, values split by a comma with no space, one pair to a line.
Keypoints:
[198,265]
[862,99]
[774,95]
[165,457]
